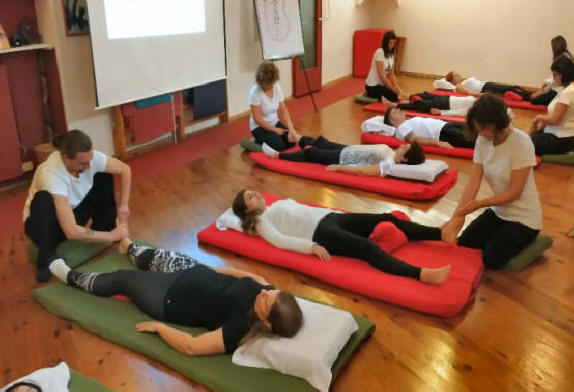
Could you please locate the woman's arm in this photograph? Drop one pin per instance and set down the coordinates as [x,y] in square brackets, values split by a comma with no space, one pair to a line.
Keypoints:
[115,166]
[471,189]
[257,115]
[204,344]
[270,234]
[369,170]
[284,116]
[242,274]
[427,141]
[387,80]
[552,119]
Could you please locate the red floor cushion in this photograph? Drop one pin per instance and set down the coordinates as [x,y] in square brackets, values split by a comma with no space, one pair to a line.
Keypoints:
[446,300]
[381,108]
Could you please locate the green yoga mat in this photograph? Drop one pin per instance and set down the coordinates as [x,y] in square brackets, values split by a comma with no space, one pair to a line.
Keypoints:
[530,253]
[562,159]
[250,145]
[362,98]
[80,383]
[73,252]
[115,321]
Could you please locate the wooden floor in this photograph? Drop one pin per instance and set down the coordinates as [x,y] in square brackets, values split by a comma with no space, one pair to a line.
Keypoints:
[517,336]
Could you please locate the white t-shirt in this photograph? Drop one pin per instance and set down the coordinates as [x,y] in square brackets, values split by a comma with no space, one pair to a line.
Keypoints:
[473,85]
[269,106]
[388,63]
[365,154]
[420,126]
[566,126]
[498,162]
[52,176]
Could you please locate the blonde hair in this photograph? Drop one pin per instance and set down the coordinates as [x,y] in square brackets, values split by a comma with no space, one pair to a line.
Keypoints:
[267,74]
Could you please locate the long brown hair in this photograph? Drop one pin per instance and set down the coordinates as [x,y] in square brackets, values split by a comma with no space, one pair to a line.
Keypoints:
[559,47]
[248,219]
[285,317]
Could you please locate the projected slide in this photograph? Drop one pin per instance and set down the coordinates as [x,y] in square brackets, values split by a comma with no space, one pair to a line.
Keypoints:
[148,18]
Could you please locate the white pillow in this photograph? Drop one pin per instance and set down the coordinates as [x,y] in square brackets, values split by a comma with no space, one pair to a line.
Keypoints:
[311,353]
[377,125]
[443,84]
[228,220]
[427,171]
[54,379]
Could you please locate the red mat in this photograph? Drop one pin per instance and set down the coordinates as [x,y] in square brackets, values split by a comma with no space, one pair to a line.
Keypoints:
[446,300]
[403,189]
[513,104]
[391,141]
[379,107]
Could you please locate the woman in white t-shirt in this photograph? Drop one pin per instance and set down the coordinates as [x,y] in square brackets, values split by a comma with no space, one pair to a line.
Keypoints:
[553,133]
[550,89]
[505,158]
[381,80]
[269,120]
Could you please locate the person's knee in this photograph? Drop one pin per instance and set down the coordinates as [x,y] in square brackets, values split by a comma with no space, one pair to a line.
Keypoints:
[104,180]
[42,203]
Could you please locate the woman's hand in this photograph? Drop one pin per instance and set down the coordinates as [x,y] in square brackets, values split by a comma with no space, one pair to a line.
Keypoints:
[403,96]
[261,280]
[537,124]
[469,207]
[279,131]
[444,144]
[435,111]
[332,167]
[148,326]
[320,252]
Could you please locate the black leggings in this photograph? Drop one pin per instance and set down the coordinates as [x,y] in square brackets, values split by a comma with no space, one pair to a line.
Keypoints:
[500,240]
[500,89]
[273,140]
[320,150]
[453,133]
[147,287]
[379,91]
[544,98]
[348,235]
[427,102]
[548,143]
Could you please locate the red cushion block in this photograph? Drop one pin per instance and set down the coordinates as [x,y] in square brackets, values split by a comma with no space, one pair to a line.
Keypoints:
[381,108]
[365,43]
[404,189]
[388,237]
[446,300]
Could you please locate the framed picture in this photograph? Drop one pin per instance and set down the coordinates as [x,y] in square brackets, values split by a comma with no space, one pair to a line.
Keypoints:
[76,17]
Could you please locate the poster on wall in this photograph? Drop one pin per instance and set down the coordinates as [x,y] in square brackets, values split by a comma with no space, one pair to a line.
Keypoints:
[76,17]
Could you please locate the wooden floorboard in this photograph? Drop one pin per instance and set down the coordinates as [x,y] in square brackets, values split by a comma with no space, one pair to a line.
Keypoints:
[516,336]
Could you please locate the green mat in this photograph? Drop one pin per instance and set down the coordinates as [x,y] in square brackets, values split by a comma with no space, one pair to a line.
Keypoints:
[115,321]
[80,383]
[562,159]
[362,98]
[530,253]
[73,252]
[250,145]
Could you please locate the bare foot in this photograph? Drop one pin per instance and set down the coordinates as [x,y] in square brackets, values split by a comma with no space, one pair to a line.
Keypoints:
[434,275]
[571,233]
[449,231]
[124,245]
[293,137]
[388,103]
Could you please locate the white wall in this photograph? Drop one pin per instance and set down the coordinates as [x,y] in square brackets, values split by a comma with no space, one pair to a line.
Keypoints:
[500,40]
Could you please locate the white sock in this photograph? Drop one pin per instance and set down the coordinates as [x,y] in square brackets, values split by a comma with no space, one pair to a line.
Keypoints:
[59,269]
[270,152]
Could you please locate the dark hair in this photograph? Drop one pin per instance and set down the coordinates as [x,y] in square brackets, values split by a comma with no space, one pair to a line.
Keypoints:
[450,76]
[267,74]
[488,110]
[564,66]
[285,317]
[415,155]
[387,118]
[23,384]
[388,37]
[71,143]
[248,219]
[559,47]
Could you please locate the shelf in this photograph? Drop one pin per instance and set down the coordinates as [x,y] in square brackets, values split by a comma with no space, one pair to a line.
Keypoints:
[27,48]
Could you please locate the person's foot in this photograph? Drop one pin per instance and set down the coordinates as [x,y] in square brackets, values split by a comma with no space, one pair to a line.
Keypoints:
[388,103]
[449,231]
[124,245]
[434,275]
[293,137]
[43,274]
[570,233]
[269,151]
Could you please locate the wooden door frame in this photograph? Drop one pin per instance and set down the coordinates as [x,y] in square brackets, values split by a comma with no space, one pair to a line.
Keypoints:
[300,87]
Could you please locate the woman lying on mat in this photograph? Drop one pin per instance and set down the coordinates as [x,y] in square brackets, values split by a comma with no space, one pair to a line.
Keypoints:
[473,86]
[427,131]
[441,105]
[553,133]
[287,224]
[236,306]
[381,80]
[550,89]
[373,159]
[269,120]
[505,158]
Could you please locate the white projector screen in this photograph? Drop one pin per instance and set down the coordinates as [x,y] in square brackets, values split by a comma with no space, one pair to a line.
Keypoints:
[144,48]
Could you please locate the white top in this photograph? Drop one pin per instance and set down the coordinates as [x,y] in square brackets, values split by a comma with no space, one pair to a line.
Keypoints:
[269,106]
[54,379]
[566,126]
[420,126]
[365,154]
[377,125]
[443,84]
[458,106]
[388,63]
[473,85]
[52,176]
[498,162]
[287,224]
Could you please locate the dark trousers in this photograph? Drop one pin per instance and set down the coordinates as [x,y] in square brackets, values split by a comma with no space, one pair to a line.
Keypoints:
[544,98]
[547,143]
[453,133]
[43,228]
[500,89]
[500,240]
[427,102]
[273,140]
[348,235]
[379,91]
[319,150]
